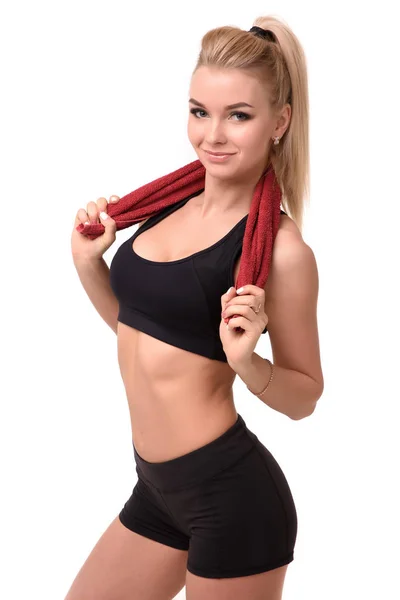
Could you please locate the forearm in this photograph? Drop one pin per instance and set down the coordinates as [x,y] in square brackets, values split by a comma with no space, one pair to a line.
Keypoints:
[290,392]
[94,275]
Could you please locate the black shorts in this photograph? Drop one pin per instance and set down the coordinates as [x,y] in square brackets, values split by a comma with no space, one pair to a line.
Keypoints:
[228,503]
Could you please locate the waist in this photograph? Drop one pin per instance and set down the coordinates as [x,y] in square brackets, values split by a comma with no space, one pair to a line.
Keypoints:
[201,462]
[176,398]
[164,434]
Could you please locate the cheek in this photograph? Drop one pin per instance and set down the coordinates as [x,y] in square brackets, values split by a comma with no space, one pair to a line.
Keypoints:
[194,131]
[247,139]
[250,136]
[254,144]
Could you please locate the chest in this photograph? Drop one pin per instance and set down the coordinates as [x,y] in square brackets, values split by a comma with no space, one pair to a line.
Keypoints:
[170,286]
[181,236]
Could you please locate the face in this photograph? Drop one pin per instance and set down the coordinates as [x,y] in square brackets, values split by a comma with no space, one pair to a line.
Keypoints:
[244,132]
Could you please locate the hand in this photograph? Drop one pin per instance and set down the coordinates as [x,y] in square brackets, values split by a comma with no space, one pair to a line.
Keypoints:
[243,321]
[82,246]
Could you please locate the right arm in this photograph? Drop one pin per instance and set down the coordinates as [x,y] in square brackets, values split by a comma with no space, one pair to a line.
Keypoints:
[94,275]
[91,267]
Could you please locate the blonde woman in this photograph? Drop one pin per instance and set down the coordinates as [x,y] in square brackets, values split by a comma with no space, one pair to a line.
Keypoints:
[211,508]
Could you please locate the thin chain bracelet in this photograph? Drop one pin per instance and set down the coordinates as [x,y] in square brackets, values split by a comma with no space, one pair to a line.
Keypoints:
[270,379]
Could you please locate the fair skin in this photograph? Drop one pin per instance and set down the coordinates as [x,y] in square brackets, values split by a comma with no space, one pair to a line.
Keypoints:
[180,401]
[229,186]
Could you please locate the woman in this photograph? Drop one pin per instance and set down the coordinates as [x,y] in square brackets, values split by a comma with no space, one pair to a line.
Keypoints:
[211,509]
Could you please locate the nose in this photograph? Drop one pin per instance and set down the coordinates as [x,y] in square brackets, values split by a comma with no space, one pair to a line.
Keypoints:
[215,133]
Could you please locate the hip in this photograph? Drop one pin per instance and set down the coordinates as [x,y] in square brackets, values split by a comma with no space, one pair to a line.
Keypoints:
[231,475]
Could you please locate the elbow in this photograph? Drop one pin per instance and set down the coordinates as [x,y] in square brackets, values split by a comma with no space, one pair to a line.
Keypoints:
[309,407]
[305,413]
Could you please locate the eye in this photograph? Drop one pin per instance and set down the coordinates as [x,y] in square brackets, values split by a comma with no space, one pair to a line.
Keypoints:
[197,110]
[245,115]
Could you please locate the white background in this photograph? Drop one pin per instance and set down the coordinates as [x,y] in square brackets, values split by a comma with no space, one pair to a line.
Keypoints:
[93,103]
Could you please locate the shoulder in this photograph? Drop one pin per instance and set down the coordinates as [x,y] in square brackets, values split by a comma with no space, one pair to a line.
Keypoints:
[289,245]
[293,269]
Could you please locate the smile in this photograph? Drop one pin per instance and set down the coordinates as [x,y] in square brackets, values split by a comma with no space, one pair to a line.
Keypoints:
[218,157]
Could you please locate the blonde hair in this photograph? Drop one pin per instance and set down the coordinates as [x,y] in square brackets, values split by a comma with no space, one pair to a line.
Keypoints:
[282,68]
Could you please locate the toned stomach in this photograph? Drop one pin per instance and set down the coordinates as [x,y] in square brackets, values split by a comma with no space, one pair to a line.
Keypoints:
[178,401]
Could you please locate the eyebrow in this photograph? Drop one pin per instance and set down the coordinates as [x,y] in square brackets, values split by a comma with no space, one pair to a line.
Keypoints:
[237,105]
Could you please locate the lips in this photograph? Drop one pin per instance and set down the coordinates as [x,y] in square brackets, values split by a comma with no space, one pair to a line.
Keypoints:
[219,153]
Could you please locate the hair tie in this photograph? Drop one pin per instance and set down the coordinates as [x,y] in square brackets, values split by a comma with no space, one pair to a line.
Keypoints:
[267,34]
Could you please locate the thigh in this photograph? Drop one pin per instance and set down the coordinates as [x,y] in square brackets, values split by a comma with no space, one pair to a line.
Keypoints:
[262,586]
[124,565]
[140,555]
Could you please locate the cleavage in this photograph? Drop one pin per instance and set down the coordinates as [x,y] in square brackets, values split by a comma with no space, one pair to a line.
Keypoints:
[178,230]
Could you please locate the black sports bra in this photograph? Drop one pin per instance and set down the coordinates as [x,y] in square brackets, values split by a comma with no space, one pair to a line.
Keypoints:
[179,301]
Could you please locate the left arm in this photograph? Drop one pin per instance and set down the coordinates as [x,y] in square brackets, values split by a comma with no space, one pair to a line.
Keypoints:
[290,392]
[291,295]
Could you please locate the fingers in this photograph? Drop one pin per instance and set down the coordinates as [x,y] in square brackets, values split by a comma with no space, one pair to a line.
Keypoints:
[101,205]
[251,295]
[110,227]
[106,220]
[243,305]
[243,310]
[102,202]
[242,315]
[231,293]
[93,209]
[252,290]
[81,217]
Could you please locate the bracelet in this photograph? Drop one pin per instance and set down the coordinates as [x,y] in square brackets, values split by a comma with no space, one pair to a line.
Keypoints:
[270,379]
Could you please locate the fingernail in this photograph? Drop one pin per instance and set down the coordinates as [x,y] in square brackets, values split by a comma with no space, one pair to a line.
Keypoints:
[87,222]
[104,215]
[239,290]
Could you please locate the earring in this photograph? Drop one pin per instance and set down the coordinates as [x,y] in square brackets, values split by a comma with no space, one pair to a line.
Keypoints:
[276,140]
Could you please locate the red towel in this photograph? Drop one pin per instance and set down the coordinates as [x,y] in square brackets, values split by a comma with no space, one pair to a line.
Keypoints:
[261,227]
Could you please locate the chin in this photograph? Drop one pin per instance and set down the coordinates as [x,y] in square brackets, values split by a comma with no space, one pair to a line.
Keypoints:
[218,173]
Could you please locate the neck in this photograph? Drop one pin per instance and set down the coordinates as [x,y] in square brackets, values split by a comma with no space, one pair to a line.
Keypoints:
[222,196]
